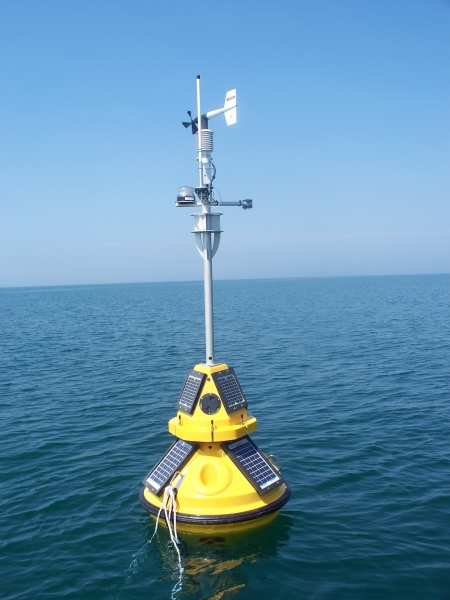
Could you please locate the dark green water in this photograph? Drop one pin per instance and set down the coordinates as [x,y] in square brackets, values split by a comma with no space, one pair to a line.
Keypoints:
[349,379]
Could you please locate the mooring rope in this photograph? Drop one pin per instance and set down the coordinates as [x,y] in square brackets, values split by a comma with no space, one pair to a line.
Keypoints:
[169,504]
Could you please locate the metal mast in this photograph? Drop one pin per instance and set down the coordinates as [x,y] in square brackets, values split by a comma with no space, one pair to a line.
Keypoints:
[207,223]
[207,254]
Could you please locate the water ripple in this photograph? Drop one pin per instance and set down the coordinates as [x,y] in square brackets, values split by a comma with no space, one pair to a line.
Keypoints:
[349,379]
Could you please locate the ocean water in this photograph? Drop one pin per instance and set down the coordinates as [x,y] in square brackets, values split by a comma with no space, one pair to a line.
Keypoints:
[349,379]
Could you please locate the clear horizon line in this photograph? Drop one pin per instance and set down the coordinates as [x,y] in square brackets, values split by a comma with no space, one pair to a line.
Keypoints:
[56,285]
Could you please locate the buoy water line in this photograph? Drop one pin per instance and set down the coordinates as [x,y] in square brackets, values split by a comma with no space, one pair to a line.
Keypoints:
[213,478]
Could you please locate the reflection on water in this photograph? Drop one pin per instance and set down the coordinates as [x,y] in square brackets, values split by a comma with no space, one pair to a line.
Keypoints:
[214,565]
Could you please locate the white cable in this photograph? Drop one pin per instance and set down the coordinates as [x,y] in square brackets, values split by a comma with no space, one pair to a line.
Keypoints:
[168,504]
[170,508]
[170,492]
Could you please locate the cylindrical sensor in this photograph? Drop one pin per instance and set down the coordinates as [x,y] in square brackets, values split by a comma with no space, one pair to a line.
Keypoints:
[207,140]
[186,195]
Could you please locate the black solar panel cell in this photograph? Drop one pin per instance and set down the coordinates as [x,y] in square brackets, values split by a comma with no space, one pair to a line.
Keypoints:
[172,461]
[229,389]
[190,392]
[256,468]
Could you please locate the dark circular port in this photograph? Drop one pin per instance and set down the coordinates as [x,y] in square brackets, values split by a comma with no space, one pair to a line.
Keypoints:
[210,404]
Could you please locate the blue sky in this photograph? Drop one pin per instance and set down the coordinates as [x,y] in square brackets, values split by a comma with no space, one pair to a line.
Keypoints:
[342,139]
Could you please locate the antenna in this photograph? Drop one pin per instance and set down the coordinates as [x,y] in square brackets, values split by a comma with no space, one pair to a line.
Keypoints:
[206,223]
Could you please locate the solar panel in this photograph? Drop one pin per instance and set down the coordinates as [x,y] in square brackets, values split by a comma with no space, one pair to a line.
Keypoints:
[190,392]
[173,460]
[229,389]
[256,468]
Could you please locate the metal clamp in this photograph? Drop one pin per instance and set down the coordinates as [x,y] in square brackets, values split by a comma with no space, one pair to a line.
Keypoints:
[179,482]
[207,223]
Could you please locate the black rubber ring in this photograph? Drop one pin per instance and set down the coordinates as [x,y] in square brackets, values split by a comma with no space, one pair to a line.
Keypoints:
[247,515]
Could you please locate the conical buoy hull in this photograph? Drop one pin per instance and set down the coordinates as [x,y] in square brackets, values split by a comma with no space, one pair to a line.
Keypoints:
[219,477]
[215,493]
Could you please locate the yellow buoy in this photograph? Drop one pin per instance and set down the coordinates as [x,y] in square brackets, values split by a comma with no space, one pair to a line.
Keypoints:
[222,478]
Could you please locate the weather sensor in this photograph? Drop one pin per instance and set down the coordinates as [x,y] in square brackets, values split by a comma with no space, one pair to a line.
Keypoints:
[205,146]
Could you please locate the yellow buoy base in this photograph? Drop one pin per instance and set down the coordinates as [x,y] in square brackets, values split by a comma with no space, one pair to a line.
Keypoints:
[214,492]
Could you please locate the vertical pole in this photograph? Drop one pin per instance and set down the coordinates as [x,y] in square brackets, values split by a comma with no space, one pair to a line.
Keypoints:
[208,284]
[207,254]
[199,134]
